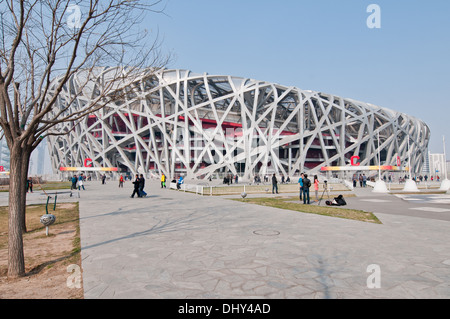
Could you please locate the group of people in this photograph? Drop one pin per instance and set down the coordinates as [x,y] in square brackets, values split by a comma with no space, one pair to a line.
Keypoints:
[78,182]
[304,183]
[257,179]
[228,179]
[402,179]
[362,180]
[139,184]
[420,178]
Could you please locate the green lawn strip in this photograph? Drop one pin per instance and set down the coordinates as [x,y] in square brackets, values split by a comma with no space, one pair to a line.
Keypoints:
[47,186]
[63,214]
[332,211]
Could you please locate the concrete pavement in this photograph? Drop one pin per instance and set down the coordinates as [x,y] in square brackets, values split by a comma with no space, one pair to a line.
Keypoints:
[179,245]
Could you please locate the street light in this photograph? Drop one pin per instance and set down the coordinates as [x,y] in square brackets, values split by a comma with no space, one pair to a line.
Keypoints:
[380,185]
[410,185]
[445,186]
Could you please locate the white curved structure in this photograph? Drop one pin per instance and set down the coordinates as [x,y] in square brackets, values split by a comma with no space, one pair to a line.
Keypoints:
[178,122]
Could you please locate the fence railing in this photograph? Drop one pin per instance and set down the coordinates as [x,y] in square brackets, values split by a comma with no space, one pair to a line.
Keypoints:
[206,190]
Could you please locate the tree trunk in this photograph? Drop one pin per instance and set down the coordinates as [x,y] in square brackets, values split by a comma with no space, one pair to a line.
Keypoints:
[17,204]
[25,162]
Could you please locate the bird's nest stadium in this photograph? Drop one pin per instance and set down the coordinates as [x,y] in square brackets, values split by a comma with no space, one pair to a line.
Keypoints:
[199,126]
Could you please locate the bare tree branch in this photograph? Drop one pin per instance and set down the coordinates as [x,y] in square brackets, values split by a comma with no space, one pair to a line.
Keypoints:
[40,51]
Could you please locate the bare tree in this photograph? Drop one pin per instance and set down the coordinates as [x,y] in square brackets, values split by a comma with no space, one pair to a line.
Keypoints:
[42,39]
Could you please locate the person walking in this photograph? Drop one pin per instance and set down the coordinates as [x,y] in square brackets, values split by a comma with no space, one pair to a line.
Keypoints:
[80,182]
[274,184]
[104,179]
[163,181]
[141,186]
[300,182]
[136,187]
[180,182]
[121,181]
[29,184]
[316,186]
[74,182]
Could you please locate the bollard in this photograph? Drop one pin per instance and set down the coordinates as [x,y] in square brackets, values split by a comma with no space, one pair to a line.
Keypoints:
[48,219]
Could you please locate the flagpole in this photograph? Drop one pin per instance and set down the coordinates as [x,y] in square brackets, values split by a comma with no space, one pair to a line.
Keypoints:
[379,157]
[445,159]
[409,157]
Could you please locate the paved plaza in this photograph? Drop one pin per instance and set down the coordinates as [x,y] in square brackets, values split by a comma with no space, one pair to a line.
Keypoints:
[180,245]
[174,244]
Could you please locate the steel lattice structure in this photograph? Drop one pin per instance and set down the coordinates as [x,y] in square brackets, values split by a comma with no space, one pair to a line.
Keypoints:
[178,122]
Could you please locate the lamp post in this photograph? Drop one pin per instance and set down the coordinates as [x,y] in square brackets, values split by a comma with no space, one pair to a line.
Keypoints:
[410,185]
[380,185]
[379,157]
[445,185]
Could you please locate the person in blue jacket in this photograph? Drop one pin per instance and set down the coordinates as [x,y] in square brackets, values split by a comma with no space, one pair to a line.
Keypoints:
[300,182]
[180,182]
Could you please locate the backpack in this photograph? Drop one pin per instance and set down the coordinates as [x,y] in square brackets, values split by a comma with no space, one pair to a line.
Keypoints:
[340,200]
[307,183]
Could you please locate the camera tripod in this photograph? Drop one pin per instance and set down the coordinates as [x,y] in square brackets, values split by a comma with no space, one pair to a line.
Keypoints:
[325,189]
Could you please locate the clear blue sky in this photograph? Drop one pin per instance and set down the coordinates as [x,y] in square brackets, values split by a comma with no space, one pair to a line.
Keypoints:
[323,45]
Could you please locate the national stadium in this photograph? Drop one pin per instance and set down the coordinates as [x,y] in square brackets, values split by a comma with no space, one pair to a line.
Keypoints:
[203,126]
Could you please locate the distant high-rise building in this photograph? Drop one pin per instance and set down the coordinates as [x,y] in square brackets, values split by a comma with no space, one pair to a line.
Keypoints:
[41,149]
[437,164]
[448,169]
[426,164]
[5,156]
[38,160]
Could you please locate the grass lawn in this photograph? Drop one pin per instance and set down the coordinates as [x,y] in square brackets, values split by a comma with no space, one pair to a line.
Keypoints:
[237,189]
[332,211]
[47,186]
